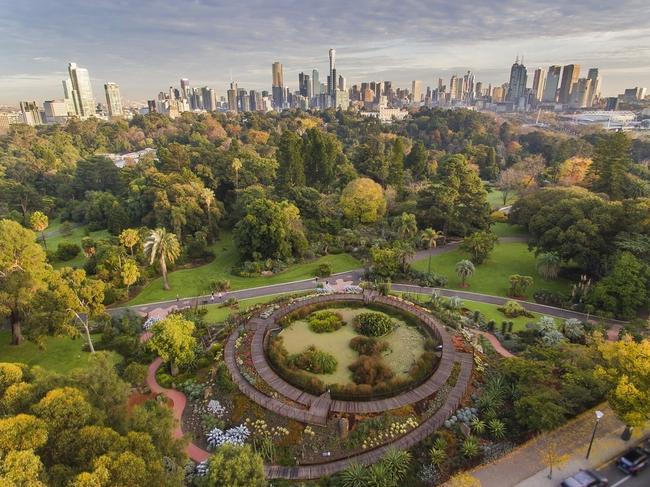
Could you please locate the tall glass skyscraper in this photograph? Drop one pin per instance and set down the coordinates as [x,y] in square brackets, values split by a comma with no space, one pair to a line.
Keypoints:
[113,100]
[82,91]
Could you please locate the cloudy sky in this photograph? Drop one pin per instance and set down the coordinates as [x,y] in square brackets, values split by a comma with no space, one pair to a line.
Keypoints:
[147,45]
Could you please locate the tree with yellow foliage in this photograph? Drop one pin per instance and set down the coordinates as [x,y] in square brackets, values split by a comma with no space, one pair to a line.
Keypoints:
[551,456]
[573,170]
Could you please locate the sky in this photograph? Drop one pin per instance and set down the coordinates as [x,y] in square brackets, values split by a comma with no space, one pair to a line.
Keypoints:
[148,45]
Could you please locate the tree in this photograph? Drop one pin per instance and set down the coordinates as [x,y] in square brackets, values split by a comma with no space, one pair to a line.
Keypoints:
[385,262]
[626,370]
[625,289]
[63,409]
[22,432]
[573,170]
[548,265]
[519,285]
[611,162]
[406,226]
[164,247]
[507,183]
[479,245]
[405,253]
[363,200]
[464,270]
[21,468]
[207,196]
[235,466]
[430,239]
[129,238]
[23,271]
[551,456]
[39,223]
[396,164]
[236,166]
[172,339]
[130,273]
[89,298]
[320,151]
[417,160]
[291,165]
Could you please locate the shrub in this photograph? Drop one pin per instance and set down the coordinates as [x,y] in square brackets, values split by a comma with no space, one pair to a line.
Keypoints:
[220,285]
[67,251]
[65,229]
[368,345]
[370,370]
[519,285]
[135,374]
[423,366]
[549,298]
[325,321]
[324,270]
[471,447]
[512,309]
[427,280]
[373,324]
[313,360]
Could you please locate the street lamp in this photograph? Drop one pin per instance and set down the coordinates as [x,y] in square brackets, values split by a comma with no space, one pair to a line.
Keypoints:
[599,416]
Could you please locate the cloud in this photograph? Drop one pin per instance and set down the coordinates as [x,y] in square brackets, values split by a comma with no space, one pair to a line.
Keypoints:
[147,45]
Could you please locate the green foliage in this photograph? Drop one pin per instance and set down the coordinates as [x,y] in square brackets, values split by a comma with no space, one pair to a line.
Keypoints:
[325,321]
[363,201]
[385,262]
[389,472]
[497,428]
[464,269]
[314,361]
[368,345]
[235,466]
[519,285]
[172,339]
[611,164]
[323,270]
[291,166]
[479,245]
[373,324]
[471,447]
[548,265]
[512,309]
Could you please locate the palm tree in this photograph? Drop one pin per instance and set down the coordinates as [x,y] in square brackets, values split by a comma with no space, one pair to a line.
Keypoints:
[207,195]
[407,226]
[163,246]
[430,239]
[548,265]
[40,222]
[236,166]
[464,270]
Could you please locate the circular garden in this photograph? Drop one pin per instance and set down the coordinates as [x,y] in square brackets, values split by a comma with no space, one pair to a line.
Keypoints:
[356,351]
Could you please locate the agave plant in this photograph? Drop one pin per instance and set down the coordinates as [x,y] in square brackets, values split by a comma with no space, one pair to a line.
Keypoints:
[470,447]
[497,429]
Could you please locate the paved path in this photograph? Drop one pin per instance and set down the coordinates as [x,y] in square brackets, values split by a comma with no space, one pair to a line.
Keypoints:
[178,405]
[500,349]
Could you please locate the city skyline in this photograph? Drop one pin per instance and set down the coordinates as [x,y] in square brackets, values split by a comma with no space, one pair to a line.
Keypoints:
[557,34]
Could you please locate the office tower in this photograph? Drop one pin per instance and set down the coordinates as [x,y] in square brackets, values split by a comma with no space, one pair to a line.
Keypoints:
[31,113]
[468,85]
[68,97]
[151,106]
[594,88]
[497,94]
[331,80]
[278,85]
[82,91]
[416,91]
[552,83]
[570,74]
[341,83]
[634,94]
[55,111]
[611,103]
[304,84]
[185,88]
[518,80]
[232,97]
[455,88]
[208,99]
[113,100]
[315,82]
[341,99]
[580,93]
[539,81]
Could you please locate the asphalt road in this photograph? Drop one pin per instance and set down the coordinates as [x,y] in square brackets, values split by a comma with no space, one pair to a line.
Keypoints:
[617,478]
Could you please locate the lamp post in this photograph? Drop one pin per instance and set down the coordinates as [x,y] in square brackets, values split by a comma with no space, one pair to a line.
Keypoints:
[599,416]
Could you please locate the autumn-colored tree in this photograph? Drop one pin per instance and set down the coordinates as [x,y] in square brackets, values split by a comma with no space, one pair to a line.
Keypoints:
[163,247]
[172,339]
[129,238]
[363,201]
[573,170]
[39,223]
[130,273]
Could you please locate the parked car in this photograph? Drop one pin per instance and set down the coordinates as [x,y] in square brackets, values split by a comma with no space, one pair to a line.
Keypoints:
[633,461]
[585,478]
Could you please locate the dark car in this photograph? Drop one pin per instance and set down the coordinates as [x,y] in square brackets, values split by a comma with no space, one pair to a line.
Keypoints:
[633,461]
[585,478]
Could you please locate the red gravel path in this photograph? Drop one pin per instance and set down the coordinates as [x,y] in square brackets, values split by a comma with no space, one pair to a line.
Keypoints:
[178,400]
[500,349]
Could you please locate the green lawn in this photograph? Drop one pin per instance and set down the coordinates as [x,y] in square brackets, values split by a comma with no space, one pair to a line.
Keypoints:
[75,237]
[196,281]
[508,230]
[217,314]
[495,199]
[61,354]
[491,277]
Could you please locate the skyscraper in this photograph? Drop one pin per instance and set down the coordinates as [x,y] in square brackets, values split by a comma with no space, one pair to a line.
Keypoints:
[82,91]
[315,82]
[580,93]
[518,80]
[455,88]
[570,74]
[31,113]
[594,87]
[68,97]
[304,84]
[342,83]
[539,81]
[278,85]
[185,88]
[331,80]
[552,83]
[113,100]
[416,91]
[232,97]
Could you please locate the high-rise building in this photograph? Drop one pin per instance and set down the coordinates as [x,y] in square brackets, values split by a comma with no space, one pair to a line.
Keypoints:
[68,97]
[31,113]
[209,99]
[580,93]
[455,88]
[552,83]
[497,94]
[331,80]
[634,94]
[315,82]
[570,74]
[185,88]
[304,84]
[539,81]
[416,91]
[518,81]
[55,111]
[278,85]
[594,87]
[232,97]
[82,91]
[341,83]
[113,100]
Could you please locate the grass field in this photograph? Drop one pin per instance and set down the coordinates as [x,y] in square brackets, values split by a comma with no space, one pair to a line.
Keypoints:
[495,199]
[75,237]
[491,277]
[217,314]
[507,230]
[60,354]
[196,281]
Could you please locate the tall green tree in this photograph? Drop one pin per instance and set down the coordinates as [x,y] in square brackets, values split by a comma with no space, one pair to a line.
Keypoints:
[429,239]
[235,466]
[396,164]
[363,201]
[464,270]
[39,223]
[321,151]
[406,226]
[163,247]
[417,160]
[291,168]
[611,163]
[172,338]
[479,245]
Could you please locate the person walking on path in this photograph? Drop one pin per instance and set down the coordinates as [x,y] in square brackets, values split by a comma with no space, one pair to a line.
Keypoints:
[212,297]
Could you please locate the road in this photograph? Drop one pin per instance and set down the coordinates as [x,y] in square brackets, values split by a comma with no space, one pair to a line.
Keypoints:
[617,478]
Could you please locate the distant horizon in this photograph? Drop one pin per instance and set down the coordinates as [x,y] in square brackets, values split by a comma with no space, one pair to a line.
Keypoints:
[148,47]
